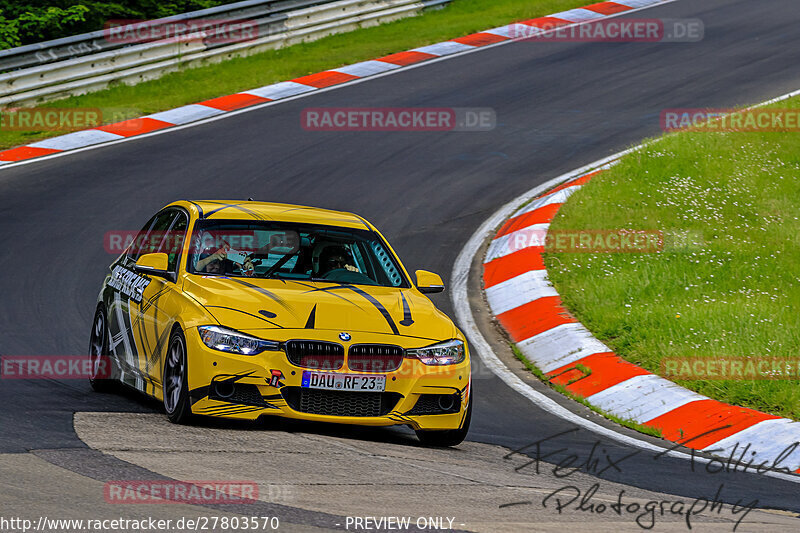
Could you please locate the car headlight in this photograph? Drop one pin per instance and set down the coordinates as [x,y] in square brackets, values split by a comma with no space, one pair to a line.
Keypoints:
[444,353]
[228,340]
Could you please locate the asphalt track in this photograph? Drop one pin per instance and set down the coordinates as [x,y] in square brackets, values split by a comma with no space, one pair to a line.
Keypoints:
[559,106]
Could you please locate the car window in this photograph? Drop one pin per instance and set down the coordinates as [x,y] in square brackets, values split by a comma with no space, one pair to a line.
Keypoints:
[174,239]
[152,235]
[281,250]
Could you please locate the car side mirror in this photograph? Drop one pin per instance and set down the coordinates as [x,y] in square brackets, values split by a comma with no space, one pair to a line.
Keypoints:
[428,282]
[154,265]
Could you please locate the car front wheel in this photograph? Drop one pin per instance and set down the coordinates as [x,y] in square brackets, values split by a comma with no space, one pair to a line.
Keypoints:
[175,386]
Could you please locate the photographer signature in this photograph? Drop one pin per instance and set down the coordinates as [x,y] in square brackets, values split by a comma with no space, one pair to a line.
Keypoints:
[563,463]
[645,514]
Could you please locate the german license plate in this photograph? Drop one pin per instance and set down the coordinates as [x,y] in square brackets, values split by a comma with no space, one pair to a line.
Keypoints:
[344,382]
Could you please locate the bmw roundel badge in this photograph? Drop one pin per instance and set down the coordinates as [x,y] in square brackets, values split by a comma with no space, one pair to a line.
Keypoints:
[344,336]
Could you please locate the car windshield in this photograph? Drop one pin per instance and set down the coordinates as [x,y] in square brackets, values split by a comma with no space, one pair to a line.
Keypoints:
[279,250]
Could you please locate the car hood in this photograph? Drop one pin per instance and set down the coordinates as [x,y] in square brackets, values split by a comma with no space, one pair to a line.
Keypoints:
[248,304]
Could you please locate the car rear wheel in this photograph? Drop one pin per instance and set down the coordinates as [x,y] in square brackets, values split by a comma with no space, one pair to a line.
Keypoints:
[449,437]
[101,370]
[175,386]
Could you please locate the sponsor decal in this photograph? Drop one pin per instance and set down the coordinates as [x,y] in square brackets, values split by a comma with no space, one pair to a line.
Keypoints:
[128,283]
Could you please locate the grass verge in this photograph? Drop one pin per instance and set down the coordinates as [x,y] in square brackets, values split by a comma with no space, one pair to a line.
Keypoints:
[192,85]
[731,291]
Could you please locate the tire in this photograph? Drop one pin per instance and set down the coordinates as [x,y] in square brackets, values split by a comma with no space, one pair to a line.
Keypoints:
[448,437]
[175,386]
[100,380]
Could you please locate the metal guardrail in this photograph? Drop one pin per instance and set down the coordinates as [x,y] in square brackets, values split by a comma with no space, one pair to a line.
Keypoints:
[92,61]
[33,55]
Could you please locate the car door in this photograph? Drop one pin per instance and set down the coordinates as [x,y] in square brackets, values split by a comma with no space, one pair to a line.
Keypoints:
[159,305]
[130,309]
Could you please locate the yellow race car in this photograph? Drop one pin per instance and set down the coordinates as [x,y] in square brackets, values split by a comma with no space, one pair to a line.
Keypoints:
[246,309]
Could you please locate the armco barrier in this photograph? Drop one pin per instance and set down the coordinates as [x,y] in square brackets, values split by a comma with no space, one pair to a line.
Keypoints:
[38,54]
[90,62]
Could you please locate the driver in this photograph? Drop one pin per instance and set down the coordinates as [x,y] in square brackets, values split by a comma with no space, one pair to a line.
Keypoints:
[215,263]
[335,258]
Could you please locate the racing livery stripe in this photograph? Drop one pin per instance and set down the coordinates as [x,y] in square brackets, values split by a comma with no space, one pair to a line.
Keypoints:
[312,82]
[371,299]
[530,310]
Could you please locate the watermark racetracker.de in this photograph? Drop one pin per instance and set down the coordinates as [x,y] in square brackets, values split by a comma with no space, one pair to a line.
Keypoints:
[440,119]
[210,523]
[54,367]
[614,30]
[589,240]
[597,241]
[187,492]
[730,368]
[50,118]
[211,30]
[730,120]
[68,119]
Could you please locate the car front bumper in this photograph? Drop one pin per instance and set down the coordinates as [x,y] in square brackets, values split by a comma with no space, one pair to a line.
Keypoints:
[268,384]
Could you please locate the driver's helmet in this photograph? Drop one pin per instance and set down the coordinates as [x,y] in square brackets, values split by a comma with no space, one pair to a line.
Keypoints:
[333,257]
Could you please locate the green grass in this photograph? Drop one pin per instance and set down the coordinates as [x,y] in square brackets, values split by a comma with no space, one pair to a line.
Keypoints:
[655,432]
[728,281]
[192,85]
